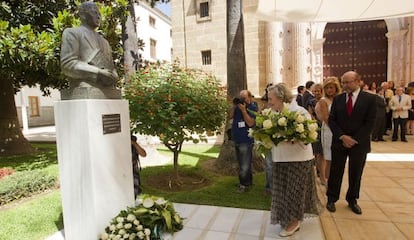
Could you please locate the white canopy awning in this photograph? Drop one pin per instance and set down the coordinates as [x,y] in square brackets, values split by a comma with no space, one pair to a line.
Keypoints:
[333,10]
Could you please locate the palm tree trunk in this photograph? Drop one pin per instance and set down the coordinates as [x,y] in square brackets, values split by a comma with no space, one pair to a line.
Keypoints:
[236,60]
[130,43]
[236,81]
[236,77]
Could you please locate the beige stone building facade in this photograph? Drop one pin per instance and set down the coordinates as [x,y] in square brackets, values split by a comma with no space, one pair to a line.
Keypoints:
[292,53]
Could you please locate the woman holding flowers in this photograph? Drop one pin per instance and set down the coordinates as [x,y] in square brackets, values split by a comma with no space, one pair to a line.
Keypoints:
[293,189]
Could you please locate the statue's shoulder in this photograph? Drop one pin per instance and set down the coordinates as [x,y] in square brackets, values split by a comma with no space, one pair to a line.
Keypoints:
[74,30]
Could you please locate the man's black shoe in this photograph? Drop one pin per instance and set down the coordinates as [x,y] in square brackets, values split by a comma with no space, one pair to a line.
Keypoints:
[331,206]
[404,140]
[355,208]
[394,140]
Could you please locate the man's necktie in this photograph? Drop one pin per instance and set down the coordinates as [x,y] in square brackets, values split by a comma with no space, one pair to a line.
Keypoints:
[399,98]
[349,104]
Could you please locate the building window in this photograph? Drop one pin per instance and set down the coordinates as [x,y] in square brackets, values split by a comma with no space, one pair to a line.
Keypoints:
[153,48]
[34,106]
[152,22]
[203,10]
[206,57]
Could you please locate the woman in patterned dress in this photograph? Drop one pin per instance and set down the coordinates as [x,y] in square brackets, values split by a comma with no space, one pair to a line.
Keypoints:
[293,189]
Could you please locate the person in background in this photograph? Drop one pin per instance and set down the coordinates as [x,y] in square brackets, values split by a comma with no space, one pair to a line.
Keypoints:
[400,104]
[331,88]
[251,96]
[137,151]
[351,120]
[391,86]
[388,93]
[307,95]
[402,84]
[293,189]
[378,131]
[242,121]
[373,88]
[268,157]
[410,122]
[299,97]
[317,91]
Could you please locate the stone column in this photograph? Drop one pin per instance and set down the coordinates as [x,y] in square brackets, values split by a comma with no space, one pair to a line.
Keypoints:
[410,50]
[274,51]
[317,60]
[300,54]
[396,55]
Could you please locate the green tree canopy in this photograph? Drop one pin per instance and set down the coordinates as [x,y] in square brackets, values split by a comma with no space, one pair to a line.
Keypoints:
[176,104]
[30,51]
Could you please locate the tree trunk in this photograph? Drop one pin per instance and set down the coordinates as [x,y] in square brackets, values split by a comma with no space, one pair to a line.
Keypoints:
[236,61]
[130,44]
[176,174]
[176,149]
[12,141]
[236,81]
[226,162]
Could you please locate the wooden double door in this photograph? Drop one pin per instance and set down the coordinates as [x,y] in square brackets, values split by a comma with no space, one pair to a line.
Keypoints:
[358,46]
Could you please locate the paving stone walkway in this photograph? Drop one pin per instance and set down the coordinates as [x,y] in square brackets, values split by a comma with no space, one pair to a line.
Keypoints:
[387,202]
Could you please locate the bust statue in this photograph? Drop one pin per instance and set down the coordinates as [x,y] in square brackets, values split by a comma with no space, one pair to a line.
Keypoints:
[86,59]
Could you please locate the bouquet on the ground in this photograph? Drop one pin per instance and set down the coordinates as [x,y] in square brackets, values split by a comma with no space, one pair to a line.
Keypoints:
[149,219]
[273,128]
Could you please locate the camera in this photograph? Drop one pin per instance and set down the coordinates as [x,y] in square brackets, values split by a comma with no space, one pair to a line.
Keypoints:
[238,100]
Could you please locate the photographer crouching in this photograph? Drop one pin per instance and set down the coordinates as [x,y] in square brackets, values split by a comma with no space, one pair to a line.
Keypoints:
[242,121]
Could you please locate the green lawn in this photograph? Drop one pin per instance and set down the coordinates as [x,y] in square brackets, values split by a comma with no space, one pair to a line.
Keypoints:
[40,216]
[33,219]
[222,192]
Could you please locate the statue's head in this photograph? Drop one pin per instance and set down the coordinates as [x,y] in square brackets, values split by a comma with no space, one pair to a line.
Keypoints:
[89,14]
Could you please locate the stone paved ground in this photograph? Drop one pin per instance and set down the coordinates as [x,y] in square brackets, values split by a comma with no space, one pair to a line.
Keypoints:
[387,201]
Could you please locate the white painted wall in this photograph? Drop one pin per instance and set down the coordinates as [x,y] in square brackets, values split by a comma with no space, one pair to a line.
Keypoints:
[25,92]
[160,33]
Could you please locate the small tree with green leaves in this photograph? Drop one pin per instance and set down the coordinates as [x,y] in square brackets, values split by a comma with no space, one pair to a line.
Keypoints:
[176,104]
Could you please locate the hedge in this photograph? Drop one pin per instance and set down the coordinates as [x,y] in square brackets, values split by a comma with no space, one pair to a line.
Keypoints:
[24,184]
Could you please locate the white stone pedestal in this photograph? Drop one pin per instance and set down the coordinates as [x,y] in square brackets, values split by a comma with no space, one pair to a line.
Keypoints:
[95,168]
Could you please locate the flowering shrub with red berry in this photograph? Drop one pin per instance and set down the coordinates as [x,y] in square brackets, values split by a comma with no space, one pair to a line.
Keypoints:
[176,104]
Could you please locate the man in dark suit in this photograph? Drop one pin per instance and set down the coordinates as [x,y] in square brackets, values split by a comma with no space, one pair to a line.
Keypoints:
[307,95]
[351,120]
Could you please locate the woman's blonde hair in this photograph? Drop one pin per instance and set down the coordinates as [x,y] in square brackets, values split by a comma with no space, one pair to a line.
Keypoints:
[332,81]
[282,92]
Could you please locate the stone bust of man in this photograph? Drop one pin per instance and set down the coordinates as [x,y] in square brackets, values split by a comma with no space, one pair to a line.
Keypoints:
[86,59]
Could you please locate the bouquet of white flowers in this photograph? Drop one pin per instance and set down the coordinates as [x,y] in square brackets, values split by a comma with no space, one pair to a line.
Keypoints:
[285,126]
[150,217]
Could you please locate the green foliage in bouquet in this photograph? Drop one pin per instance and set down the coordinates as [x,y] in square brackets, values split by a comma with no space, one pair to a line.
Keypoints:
[274,127]
[150,217]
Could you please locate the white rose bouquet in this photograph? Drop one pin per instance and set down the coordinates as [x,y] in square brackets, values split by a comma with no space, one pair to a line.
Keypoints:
[150,217]
[285,126]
